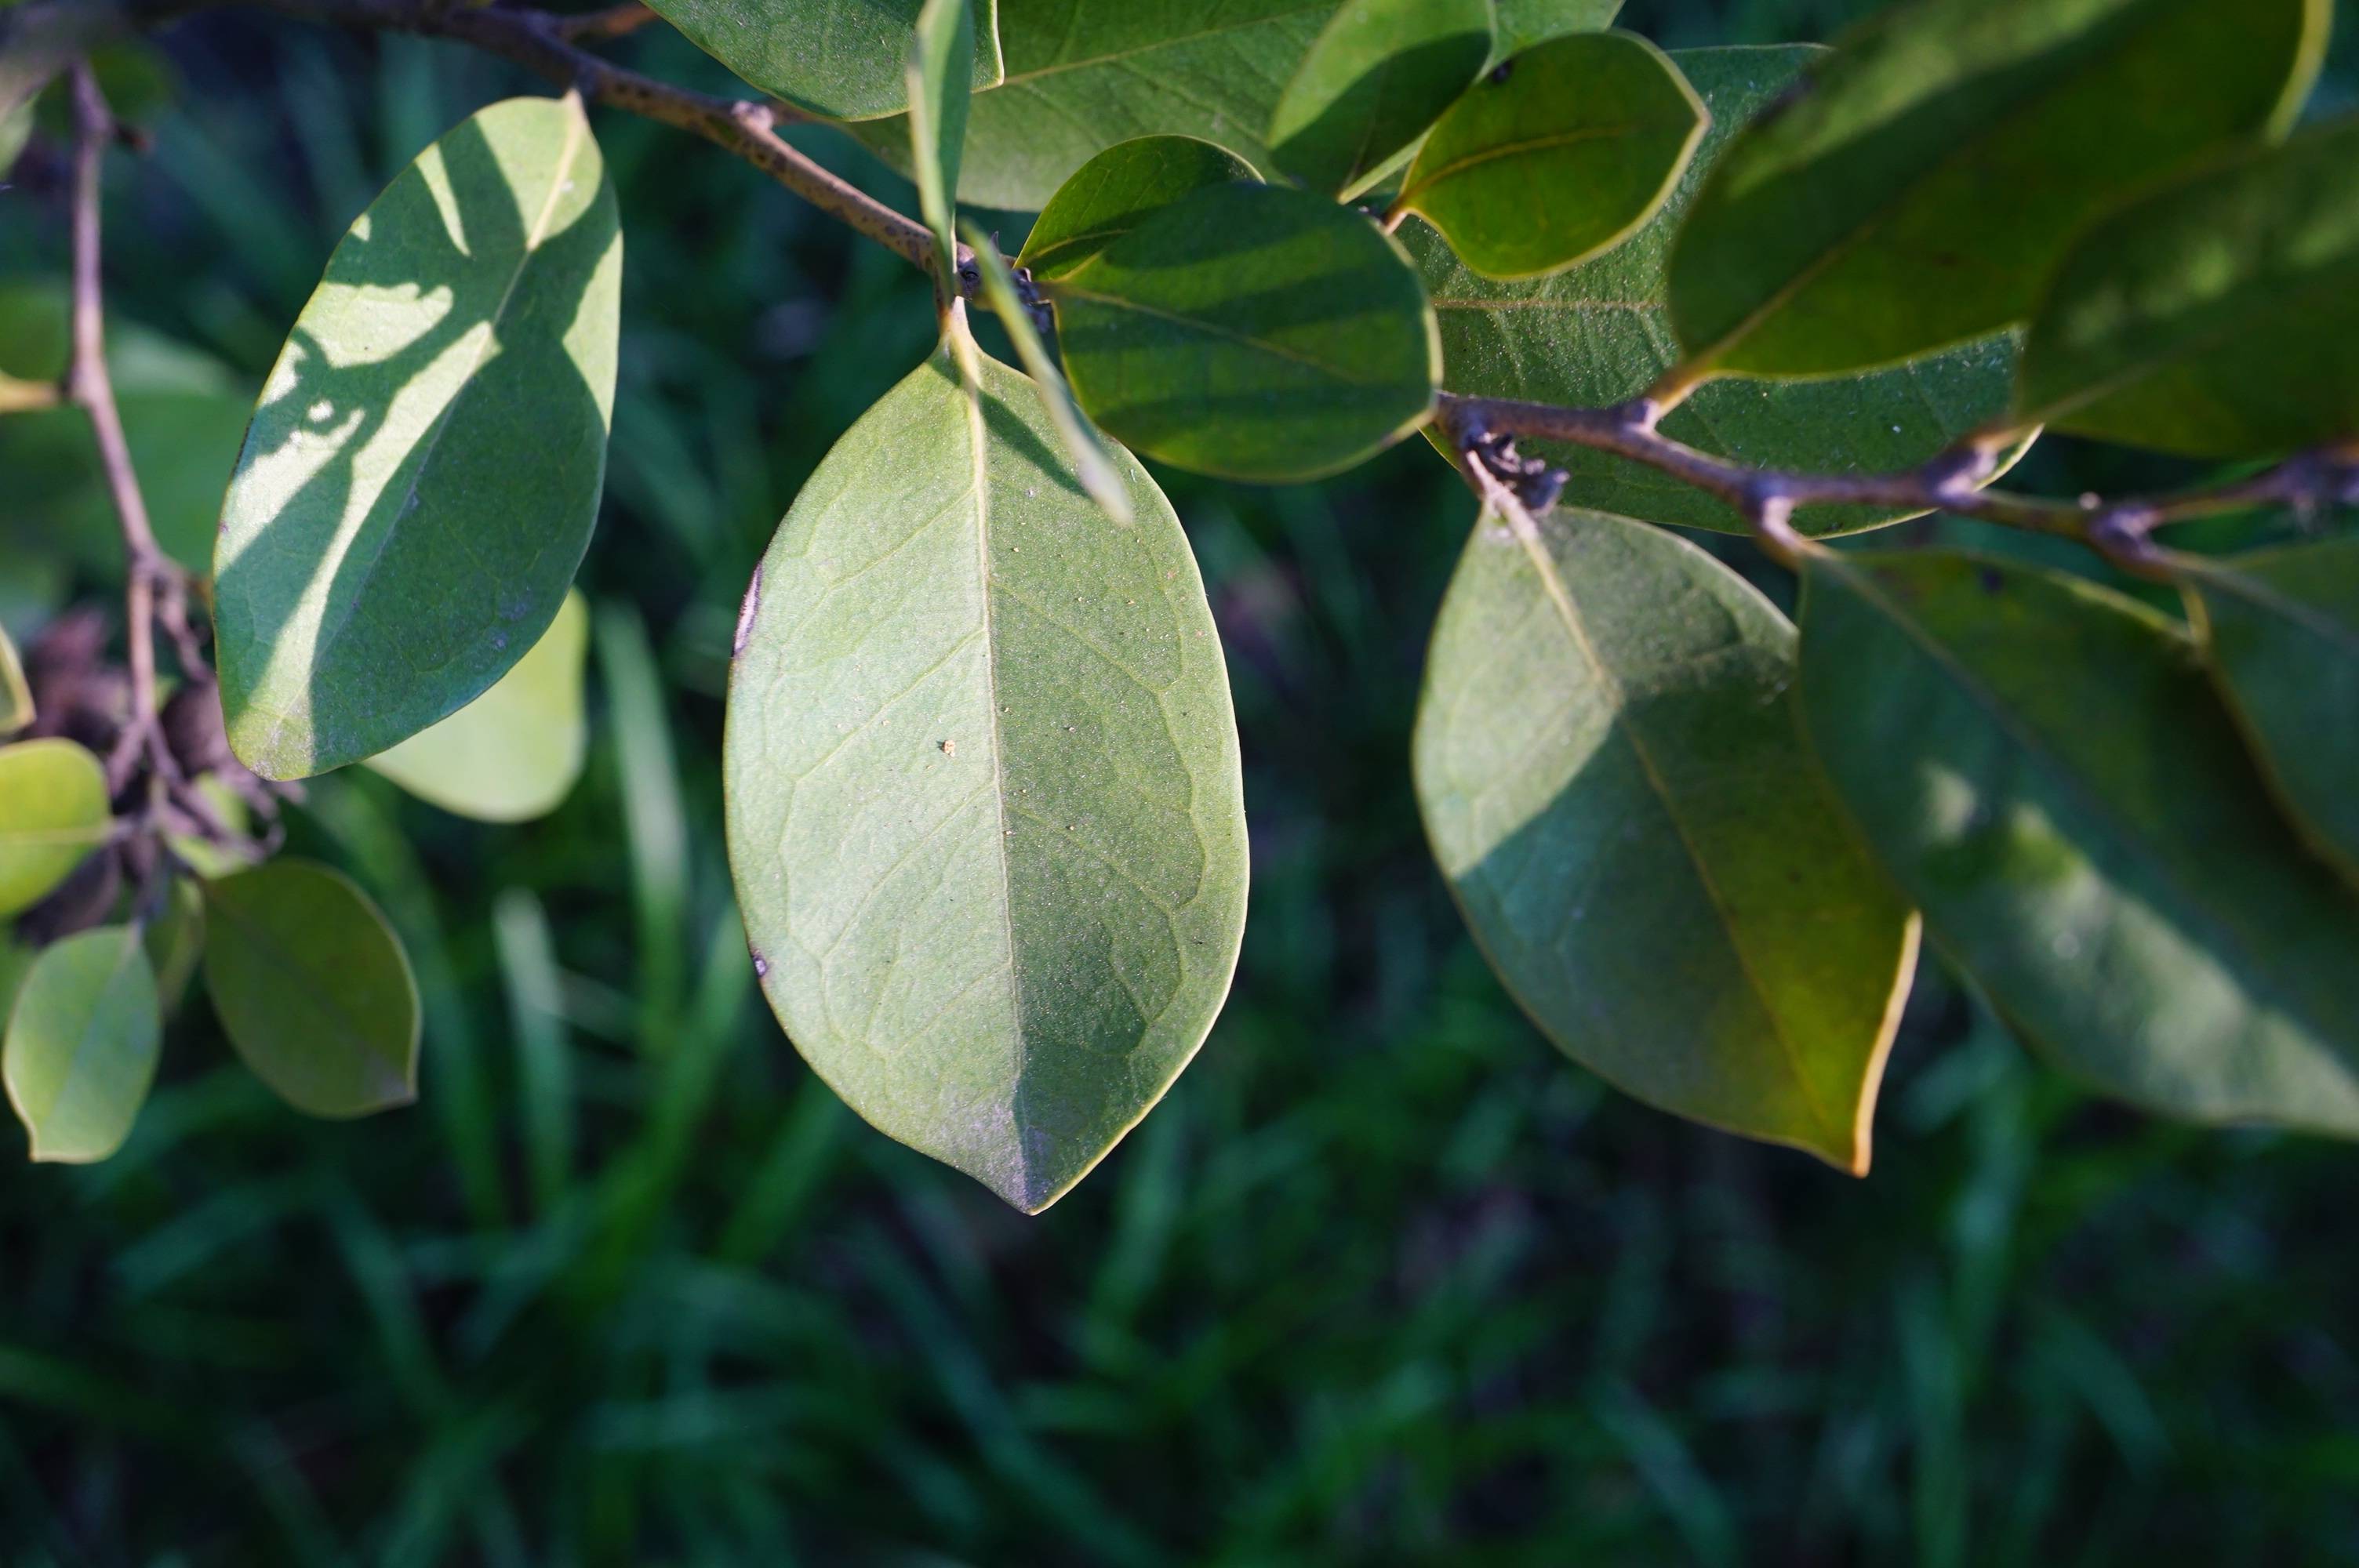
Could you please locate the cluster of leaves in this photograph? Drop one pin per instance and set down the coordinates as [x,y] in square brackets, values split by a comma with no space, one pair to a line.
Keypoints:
[985,799]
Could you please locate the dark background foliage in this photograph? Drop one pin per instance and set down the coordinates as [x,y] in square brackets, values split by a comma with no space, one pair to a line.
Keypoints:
[1385,1279]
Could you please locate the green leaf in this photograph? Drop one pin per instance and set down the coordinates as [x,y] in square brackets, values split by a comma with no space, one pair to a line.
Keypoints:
[1378,74]
[1617,795]
[1110,195]
[938,112]
[842,59]
[2280,631]
[1596,335]
[81,1045]
[175,942]
[984,806]
[1082,446]
[1520,24]
[16,695]
[2040,765]
[312,988]
[1251,331]
[53,811]
[1919,188]
[1083,75]
[184,443]
[514,753]
[424,469]
[1560,153]
[2217,316]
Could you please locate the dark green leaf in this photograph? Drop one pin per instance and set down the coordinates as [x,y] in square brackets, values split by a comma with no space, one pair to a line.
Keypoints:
[1378,74]
[1251,331]
[1919,188]
[1596,335]
[2217,318]
[938,110]
[986,811]
[2280,629]
[53,811]
[82,1045]
[312,988]
[424,469]
[1520,24]
[1617,794]
[1558,155]
[842,59]
[514,753]
[1111,194]
[1085,74]
[1083,448]
[2042,767]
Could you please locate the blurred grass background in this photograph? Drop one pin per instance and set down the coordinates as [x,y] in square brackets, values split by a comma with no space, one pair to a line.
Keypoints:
[1386,1280]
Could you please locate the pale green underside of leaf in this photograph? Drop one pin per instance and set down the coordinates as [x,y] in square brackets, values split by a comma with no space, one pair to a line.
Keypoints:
[423,472]
[1598,334]
[1618,797]
[1919,191]
[2280,630]
[514,753]
[16,695]
[1378,74]
[2042,767]
[1114,193]
[842,59]
[53,811]
[82,1045]
[1576,147]
[2219,317]
[984,806]
[312,988]
[1256,332]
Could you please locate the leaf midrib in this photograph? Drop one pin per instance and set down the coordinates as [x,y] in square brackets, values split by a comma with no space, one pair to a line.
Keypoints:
[1117,57]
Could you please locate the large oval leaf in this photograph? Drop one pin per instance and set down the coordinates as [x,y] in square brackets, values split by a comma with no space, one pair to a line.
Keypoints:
[1617,794]
[1557,155]
[53,811]
[842,59]
[422,474]
[1110,195]
[1597,335]
[2217,318]
[984,807]
[1083,75]
[1922,184]
[514,753]
[82,1045]
[312,988]
[2280,631]
[1378,74]
[2040,764]
[1251,331]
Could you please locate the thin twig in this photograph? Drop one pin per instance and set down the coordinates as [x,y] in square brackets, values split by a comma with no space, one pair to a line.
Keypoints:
[614,22]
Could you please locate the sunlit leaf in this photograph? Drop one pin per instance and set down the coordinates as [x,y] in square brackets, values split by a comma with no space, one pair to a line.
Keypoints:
[53,811]
[424,469]
[1251,331]
[937,109]
[1084,449]
[313,987]
[514,753]
[2216,318]
[984,806]
[1558,155]
[1083,75]
[82,1045]
[1596,334]
[2280,630]
[1111,194]
[15,697]
[1616,791]
[1917,188]
[842,59]
[1378,74]
[2042,767]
